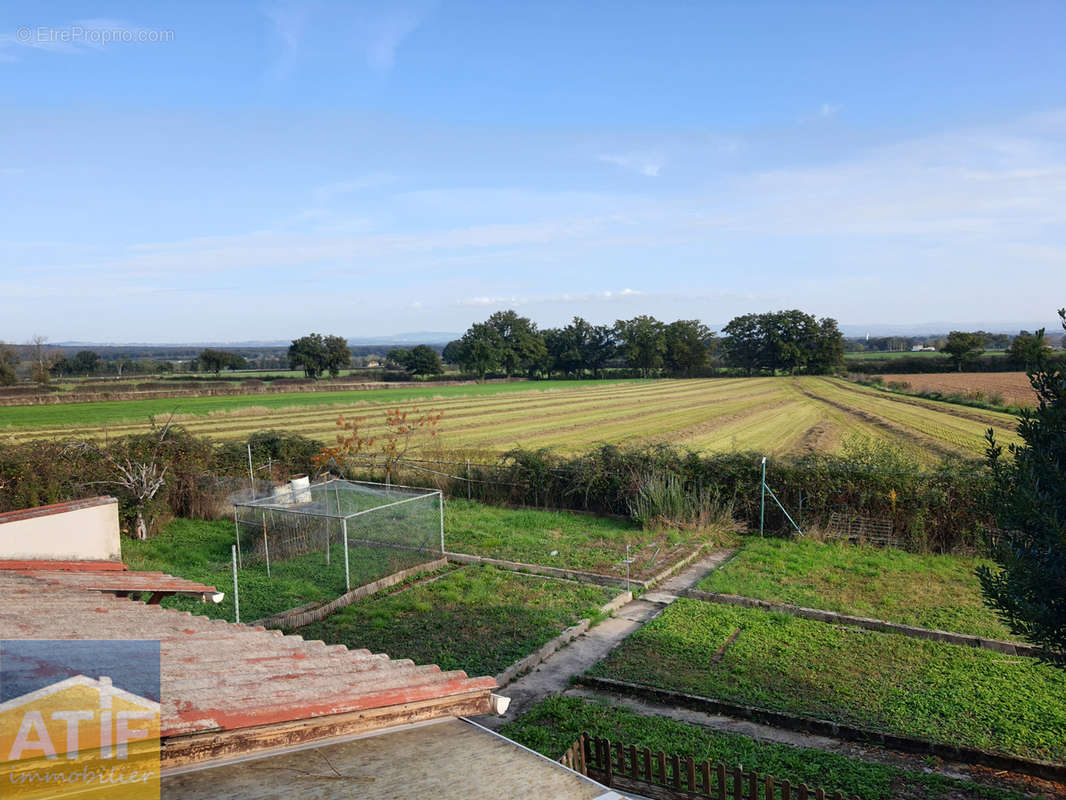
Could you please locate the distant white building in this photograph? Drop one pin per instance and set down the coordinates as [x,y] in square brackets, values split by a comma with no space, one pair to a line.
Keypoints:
[919,348]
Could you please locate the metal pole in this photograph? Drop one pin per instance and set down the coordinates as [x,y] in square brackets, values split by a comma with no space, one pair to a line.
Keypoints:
[468,479]
[627,567]
[762,498]
[251,472]
[236,596]
[237,530]
[347,574]
[440,498]
[266,544]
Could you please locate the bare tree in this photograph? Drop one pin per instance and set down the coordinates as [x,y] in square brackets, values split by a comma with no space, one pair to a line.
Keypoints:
[139,476]
[42,359]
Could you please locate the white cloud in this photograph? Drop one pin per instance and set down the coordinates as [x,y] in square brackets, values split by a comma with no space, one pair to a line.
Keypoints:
[827,110]
[644,164]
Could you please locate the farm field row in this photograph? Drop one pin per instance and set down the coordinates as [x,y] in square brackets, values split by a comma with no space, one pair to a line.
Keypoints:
[887,682]
[930,591]
[1013,387]
[772,415]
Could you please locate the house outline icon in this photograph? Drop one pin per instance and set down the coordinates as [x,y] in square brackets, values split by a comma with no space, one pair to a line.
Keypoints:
[44,746]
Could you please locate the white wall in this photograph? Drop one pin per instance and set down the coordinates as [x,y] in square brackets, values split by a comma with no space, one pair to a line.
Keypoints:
[82,530]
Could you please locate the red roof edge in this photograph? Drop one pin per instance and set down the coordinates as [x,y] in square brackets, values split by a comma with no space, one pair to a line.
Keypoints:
[55,508]
[62,566]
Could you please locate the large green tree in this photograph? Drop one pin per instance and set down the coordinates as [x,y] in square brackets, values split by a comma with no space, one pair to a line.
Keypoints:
[563,352]
[783,340]
[479,351]
[419,360]
[595,344]
[338,355]
[522,347]
[688,346]
[9,360]
[1029,497]
[963,347]
[1028,349]
[309,354]
[827,350]
[217,360]
[642,341]
[745,345]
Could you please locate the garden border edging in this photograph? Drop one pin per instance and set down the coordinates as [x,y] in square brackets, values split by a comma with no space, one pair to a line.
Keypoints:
[302,615]
[869,623]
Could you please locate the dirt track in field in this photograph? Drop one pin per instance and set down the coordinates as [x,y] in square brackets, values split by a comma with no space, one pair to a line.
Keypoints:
[1013,387]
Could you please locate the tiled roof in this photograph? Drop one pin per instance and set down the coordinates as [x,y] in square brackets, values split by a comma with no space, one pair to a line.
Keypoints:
[124,581]
[219,676]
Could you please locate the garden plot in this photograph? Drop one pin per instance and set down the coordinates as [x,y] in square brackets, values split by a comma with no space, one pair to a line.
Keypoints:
[477,619]
[554,724]
[929,591]
[566,540]
[928,690]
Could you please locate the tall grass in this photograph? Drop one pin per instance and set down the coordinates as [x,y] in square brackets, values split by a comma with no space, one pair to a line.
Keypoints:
[662,501]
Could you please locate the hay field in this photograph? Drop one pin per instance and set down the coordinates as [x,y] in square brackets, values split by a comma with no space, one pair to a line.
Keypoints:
[770,415]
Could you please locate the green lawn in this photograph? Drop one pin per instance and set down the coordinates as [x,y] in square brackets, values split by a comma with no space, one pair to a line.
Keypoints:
[554,724]
[948,693]
[578,541]
[477,619]
[200,551]
[930,591]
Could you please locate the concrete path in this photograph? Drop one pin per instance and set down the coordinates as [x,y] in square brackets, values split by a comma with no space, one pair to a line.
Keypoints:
[553,675]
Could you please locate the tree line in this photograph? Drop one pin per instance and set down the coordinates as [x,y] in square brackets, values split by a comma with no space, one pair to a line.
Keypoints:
[507,343]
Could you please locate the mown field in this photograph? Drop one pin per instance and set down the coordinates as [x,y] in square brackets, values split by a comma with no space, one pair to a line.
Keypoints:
[930,591]
[771,415]
[887,682]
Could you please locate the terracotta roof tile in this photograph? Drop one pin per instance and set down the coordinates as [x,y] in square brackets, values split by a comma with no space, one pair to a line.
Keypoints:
[218,675]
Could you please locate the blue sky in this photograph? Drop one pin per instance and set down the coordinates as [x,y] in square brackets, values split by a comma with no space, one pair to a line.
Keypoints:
[258,170]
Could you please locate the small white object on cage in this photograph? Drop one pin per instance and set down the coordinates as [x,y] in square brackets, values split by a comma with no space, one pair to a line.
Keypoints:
[301,489]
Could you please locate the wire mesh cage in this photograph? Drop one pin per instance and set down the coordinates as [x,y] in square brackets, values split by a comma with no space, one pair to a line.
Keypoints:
[338,533]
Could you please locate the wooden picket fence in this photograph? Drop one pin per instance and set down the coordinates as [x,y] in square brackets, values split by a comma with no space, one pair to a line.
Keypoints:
[672,777]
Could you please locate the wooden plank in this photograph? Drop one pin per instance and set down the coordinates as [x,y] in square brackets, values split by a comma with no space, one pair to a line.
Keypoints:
[203,748]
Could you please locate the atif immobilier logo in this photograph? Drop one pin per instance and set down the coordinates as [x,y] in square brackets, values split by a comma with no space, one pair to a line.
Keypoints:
[79,719]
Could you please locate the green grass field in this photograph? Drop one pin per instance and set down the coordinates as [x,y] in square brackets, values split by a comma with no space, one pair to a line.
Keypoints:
[477,619]
[551,726]
[578,541]
[931,591]
[771,415]
[947,693]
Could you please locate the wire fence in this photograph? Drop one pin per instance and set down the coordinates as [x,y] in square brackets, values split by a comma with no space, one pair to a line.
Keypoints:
[335,533]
